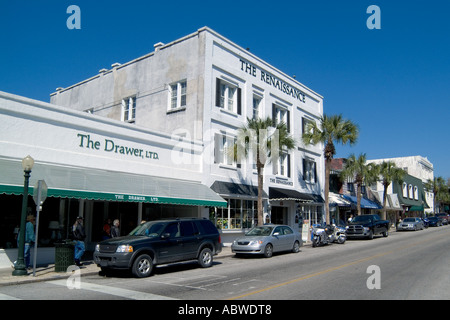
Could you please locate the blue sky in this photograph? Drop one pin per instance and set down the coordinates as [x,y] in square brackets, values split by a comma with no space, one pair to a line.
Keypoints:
[393,82]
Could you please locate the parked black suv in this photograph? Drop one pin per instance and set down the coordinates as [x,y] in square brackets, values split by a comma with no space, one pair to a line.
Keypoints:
[160,242]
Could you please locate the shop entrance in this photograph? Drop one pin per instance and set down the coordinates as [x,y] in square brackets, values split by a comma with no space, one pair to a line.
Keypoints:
[279,215]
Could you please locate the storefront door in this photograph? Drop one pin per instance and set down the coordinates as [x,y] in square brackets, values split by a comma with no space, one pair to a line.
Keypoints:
[279,215]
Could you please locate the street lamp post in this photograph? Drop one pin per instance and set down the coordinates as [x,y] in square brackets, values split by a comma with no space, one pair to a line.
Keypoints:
[20,267]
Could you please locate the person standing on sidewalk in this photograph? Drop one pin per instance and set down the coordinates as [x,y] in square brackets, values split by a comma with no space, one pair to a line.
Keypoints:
[115,232]
[79,235]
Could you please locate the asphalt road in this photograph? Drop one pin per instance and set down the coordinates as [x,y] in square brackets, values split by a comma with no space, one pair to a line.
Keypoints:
[406,265]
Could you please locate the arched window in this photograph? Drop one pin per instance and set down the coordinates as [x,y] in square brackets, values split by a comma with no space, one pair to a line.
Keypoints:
[416,193]
[405,190]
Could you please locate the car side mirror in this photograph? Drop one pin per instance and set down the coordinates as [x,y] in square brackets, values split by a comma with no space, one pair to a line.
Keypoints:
[276,234]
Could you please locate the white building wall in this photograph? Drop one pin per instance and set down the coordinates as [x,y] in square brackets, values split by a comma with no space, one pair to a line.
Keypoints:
[416,166]
[200,59]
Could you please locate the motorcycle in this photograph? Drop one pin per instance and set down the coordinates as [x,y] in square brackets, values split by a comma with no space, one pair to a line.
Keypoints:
[426,222]
[340,234]
[323,235]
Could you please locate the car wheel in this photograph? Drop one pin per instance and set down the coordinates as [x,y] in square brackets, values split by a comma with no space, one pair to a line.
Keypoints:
[268,251]
[142,266]
[296,247]
[205,259]
[386,234]
[370,236]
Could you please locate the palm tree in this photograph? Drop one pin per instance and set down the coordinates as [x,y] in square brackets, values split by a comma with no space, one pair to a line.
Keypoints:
[389,173]
[361,173]
[265,142]
[440,190]
[330,130]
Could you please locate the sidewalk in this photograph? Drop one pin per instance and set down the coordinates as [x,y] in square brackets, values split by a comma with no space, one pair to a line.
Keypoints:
[46,273]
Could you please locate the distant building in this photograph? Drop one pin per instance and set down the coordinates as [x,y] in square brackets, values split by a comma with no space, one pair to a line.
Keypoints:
[418,167]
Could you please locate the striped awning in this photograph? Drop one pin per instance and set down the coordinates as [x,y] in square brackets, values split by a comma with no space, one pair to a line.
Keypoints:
[96,184]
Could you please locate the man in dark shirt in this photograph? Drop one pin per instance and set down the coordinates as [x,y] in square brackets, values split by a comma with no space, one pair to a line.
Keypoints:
[79,235]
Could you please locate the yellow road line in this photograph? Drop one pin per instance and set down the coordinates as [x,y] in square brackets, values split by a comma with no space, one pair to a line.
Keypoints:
[328,270]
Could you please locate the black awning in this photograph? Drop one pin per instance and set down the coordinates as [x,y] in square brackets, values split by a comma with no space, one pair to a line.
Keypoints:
[235,189]
[277,194]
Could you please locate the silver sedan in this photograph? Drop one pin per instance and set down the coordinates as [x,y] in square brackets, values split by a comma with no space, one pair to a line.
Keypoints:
[411,224]
[268,239]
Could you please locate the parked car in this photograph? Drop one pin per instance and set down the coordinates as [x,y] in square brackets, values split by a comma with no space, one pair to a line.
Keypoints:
[426,222]
[367,226]
[435,221]
[411,224]
[159,242]
[268,239]
[444,216]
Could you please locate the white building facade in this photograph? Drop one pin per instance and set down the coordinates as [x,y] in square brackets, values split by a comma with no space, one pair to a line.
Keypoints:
[148,139]
[204,87]
[418,167]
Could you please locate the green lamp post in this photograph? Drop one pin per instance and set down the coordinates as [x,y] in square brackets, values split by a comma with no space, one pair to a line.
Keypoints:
[20,268]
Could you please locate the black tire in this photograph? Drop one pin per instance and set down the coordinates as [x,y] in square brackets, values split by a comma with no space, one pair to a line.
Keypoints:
[205,258]
[296,247]
[386,234]
[142,266]
[268,251]
[370,236]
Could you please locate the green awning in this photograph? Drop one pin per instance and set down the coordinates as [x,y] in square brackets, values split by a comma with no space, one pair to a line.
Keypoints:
[416,208]
[96,184]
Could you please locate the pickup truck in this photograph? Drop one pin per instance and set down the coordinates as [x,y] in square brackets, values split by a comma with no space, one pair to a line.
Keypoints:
[367,226]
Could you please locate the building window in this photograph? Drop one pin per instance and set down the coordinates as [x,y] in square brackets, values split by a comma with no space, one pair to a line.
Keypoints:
[410,191]
[305,122]
[309,171]
[177,95]
[416,193]
[239,214]
[283,166]
[228,97]
[129,110]
[257,107]
[279,115]
[223,149]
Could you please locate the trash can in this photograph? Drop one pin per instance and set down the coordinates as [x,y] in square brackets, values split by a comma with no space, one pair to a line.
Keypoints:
[64,255]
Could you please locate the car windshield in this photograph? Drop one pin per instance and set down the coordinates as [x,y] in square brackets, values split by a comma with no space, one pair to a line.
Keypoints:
[361,219]
[149,229]
[432,218]
[260,231]
[409,220]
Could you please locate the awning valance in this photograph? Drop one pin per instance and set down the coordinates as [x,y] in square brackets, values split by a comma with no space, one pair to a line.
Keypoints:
[335,199]
[236,190]
[96,184]
[278,194]
[365,203]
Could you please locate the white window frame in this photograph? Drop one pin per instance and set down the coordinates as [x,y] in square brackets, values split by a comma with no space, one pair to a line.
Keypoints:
[416,193]
[310,170]
[405,190]
[228,97]
[280,114]
[281,167]
[178,95]
[256,103]
[222,143]
[129,109]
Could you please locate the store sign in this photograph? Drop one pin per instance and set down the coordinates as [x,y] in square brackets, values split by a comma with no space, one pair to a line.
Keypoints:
[281,181]
[272,80]
[111,146]
[124,197]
